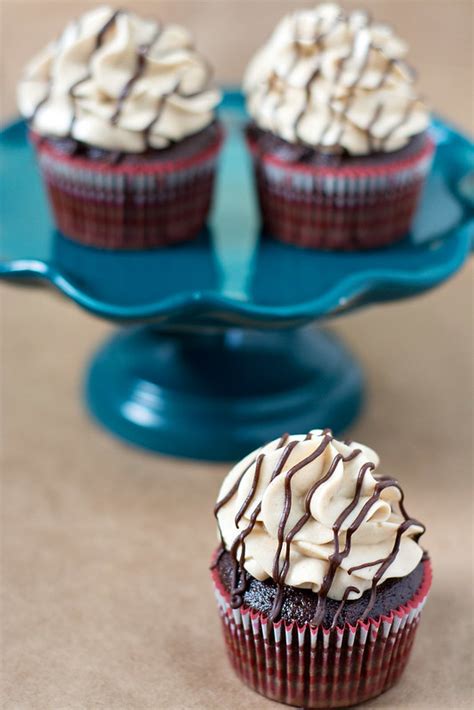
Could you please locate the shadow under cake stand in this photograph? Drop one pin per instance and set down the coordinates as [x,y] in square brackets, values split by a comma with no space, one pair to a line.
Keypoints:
[211,358]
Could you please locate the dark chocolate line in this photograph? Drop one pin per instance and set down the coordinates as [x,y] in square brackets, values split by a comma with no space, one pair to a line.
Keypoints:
[307,514]
[218,557]
[239,578]
[318,40]
[220,503]
[365,564]
[235,590]
[142,55]
[339,609]
[274,77]
[404,119]
[352,87]
[337,556]
[238,589]
[98,44]
[388,70]
[299,525]
[251,493]
[376,115]
[279,576]
[282,441]
[386,564]
[236,485]
[175,90]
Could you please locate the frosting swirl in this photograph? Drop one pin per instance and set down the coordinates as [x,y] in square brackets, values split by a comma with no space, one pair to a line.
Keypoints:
[308,511]
[117,82]
[335,81]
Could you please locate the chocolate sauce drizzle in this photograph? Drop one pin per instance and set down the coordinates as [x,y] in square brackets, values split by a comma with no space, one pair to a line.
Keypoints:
[341,116]
[279,573]
[98,44]
[142,55]
[140,68]
[339,609]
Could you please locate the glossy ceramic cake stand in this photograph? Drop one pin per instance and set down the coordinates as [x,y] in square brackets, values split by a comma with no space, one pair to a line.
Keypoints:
[211,358]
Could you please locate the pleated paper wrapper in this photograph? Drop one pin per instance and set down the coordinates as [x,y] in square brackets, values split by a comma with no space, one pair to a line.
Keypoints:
[316,667]
[136,205]
[342,208]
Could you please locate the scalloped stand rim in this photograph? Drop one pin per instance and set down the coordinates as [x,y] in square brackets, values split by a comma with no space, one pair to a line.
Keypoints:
[229,279]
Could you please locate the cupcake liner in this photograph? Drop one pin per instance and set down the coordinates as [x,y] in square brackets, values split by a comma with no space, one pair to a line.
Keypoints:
[348,208]
[316,667]
[129,205]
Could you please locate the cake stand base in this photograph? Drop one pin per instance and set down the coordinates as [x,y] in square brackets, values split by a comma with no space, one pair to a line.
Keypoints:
[218,396]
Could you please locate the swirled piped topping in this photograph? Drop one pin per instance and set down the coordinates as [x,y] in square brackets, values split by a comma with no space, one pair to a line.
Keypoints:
[115,81]
[310,512]
[335,81]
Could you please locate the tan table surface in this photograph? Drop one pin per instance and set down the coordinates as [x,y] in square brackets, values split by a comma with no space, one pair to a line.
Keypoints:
[107,601]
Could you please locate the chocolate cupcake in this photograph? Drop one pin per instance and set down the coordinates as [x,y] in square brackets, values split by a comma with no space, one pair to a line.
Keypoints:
[122,113]
[338,134]
[320,579]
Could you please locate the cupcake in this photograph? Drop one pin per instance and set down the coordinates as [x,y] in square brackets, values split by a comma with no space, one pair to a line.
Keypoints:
[121,111]
[320,579]
[338,134]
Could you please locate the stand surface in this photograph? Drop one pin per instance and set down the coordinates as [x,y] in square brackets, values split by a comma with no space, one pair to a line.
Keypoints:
[184,383]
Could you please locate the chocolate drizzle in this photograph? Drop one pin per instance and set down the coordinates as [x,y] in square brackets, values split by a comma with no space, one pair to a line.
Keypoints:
[375,117]
[141,64]
[307,88]
[404,119]
[98,44]
[140,68]
[280,571]
[339,609]
[239,573]
[341,115]
[337,557]
[279,575]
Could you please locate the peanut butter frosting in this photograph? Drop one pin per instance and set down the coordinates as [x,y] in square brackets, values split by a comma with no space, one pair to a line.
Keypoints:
[336,81]
[118,82]
[309,511]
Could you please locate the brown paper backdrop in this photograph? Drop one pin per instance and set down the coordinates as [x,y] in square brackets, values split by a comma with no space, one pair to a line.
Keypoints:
[106,596]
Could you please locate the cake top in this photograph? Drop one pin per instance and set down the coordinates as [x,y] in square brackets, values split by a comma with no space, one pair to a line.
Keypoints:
[118,82]
[336,81]
[310,512]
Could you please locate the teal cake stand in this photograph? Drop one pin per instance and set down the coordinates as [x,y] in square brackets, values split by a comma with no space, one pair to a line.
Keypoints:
[211,358]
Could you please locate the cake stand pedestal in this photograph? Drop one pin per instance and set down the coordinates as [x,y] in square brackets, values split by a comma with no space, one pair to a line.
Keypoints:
[211,358]
[216,396]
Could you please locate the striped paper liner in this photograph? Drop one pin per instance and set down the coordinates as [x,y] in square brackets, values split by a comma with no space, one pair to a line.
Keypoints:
[128,205]
[348,208]
[316,667]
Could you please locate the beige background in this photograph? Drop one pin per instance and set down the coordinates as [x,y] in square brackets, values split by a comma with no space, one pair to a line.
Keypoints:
[106,596]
